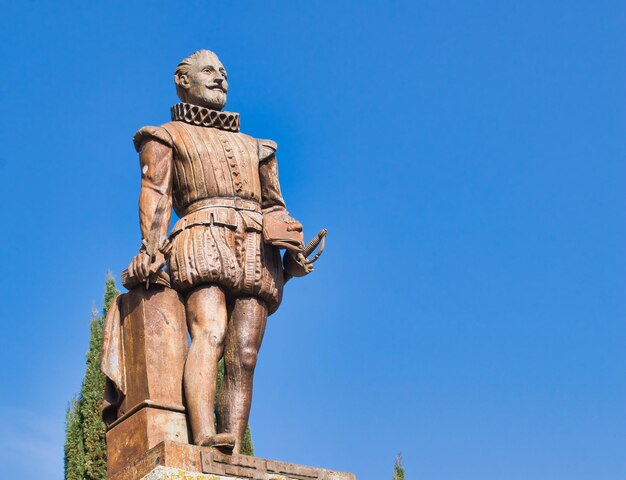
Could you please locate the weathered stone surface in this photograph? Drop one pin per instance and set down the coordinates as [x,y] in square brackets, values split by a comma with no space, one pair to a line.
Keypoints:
[139,432]
[147,337]
[223,255]
[170,473]
[145,346]
[155,347]
[173,461]
[216,277]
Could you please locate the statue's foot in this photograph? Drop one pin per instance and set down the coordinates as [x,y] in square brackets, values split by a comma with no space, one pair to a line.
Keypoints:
[225,442]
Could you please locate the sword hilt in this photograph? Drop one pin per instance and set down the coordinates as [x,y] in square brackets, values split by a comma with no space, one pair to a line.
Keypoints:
[319,239]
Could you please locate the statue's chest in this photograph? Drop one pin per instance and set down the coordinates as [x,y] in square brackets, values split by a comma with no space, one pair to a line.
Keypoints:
[213,147]
[216,161]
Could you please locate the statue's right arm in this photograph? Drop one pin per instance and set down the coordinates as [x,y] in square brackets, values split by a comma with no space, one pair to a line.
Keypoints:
[156,161]
[156,181]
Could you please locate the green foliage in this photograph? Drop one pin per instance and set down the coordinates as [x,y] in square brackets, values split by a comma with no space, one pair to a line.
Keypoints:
[398,468]
[74,457]
[247,448]
[91,395]
[220,377]
[110,293]
[85,451]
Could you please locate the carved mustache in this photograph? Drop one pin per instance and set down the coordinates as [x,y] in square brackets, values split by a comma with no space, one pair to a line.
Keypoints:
[216,87]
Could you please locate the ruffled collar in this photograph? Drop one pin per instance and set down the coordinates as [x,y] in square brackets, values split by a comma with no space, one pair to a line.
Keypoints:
[201,116]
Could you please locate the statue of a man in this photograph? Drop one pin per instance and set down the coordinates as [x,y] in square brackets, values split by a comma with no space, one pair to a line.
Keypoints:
[223,254]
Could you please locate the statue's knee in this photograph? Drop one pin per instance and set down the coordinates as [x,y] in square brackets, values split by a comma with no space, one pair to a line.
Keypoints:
[213,335]
[208,334]
[247,358]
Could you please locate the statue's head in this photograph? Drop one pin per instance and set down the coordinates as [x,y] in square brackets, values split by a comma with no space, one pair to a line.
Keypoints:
[201,80]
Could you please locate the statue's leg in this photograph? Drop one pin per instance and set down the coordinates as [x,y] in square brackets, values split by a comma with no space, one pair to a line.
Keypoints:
[245,334]
[206,317]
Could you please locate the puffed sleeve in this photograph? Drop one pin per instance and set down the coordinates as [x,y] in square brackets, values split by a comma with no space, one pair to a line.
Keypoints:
[151,133]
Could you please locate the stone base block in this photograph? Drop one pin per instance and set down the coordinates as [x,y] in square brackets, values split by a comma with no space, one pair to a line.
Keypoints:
[178,461]
[139,432]
[155,342]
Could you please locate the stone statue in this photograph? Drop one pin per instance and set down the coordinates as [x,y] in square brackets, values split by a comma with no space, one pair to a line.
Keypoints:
[222,257]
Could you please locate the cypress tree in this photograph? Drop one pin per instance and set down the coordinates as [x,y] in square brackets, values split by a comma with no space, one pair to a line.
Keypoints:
[110,293]
[87,411]
[91,395]
[398,468]
[74,449]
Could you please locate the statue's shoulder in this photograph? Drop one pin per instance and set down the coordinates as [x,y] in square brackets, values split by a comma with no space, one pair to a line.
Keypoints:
[267,149]
[161,134]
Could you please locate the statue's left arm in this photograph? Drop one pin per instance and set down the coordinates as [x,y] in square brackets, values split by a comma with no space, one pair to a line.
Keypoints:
[275,214]
[271,197]
[279,227]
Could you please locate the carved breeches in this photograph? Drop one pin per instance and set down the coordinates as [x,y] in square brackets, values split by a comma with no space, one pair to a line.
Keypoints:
[233,257]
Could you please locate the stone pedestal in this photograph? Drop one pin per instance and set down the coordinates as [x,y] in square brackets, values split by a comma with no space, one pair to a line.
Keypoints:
[178,461]
[155,341]
[147,345]
[141,430]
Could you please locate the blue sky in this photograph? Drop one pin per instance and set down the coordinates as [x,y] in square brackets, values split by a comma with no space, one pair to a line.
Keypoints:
[468,161]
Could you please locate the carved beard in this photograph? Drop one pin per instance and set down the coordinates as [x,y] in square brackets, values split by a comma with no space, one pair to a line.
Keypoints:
[213,99]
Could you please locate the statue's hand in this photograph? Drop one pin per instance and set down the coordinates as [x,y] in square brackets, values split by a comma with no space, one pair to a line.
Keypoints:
[293,225]
[143,266]
[282,230]
[146,268]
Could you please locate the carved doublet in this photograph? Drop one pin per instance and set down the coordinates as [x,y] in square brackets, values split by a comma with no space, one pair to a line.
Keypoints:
[221,182]
[209,162]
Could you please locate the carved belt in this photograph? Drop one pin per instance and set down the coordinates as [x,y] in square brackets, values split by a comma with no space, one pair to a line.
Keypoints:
[221,211]
[228,202]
